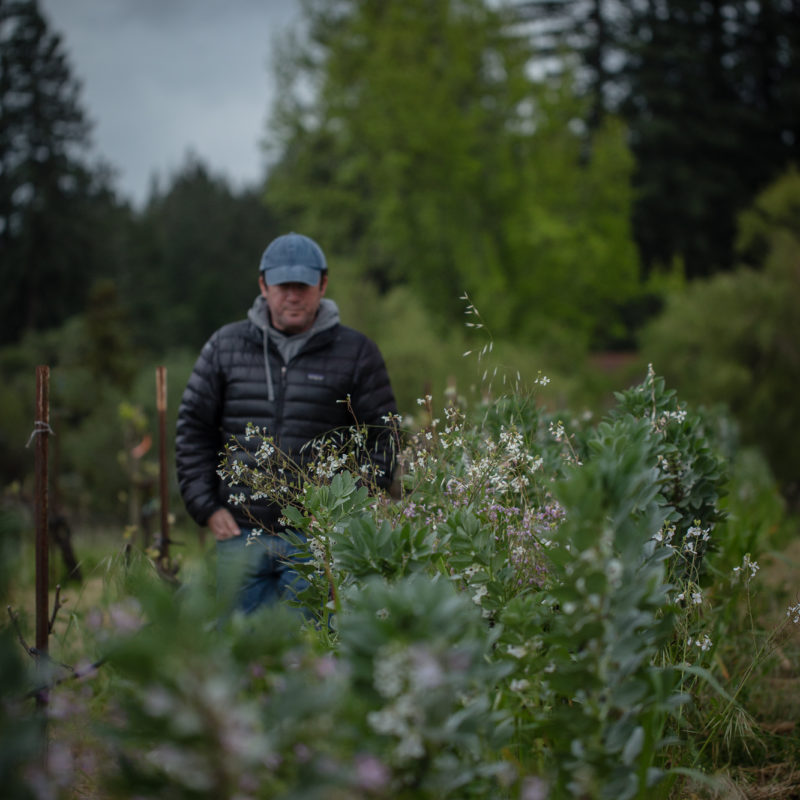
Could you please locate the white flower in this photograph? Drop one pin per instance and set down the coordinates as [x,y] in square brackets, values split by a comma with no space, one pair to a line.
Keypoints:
[517,652]
[703,643]
[470,571]
[481,592]
[253,536]
[391,668]
[410,747]
[519,685]
[557,430]
[747,564]
[699,533]
[793,612]
[387,721]
[614,571]
[265,451]
[426,671]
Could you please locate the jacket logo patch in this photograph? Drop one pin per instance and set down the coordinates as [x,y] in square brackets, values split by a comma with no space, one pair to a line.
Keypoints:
[316,377]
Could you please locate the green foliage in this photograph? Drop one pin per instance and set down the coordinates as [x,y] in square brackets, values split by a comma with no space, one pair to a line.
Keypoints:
[193,267]
[22,733]
[426,156]
[603,702]
[384,715]
[733,338]
[520,620]
[23,748]
[578,578]
[754,510]
[691,472]
[96,379]
[706,91]
[462,361]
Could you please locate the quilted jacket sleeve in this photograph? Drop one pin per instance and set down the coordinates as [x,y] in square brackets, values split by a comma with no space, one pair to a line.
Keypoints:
[197,440]
[373,404]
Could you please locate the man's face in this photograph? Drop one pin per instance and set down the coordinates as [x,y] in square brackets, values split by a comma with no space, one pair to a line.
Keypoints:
[293,306]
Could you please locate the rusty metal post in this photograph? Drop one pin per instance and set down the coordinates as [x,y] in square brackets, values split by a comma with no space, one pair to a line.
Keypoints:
[161,405]
[41,432]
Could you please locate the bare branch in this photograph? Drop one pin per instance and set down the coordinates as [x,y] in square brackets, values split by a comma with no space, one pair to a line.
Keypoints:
[15,622]
[57,604]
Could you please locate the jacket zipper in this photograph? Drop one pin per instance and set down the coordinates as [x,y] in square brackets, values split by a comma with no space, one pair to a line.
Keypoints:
[279,409]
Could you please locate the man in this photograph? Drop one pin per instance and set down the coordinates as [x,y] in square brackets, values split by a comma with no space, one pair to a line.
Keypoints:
[294,371]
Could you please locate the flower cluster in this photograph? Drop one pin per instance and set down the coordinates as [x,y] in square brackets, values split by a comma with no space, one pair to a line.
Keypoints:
[694,535]
[747,570]
[703,643]
[557,430]
[527,533]
[694,597]
[405,677]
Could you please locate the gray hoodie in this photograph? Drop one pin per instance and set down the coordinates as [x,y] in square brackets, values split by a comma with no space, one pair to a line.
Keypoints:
[289,346]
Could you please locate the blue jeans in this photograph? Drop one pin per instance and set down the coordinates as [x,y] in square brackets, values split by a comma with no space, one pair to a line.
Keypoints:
[258,574]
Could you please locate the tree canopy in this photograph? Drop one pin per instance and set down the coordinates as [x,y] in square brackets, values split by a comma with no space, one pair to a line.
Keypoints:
[50,198]
[734,338]
[193,258]
[710,92]
[417,146]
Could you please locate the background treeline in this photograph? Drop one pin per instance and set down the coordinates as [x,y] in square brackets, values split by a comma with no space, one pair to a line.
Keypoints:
[593,175]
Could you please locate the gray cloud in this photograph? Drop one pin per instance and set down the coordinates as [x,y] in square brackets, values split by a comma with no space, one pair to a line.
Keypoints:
[162,78]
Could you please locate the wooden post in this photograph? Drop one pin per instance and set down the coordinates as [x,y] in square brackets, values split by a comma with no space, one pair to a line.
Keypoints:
[40,433]
[161,404]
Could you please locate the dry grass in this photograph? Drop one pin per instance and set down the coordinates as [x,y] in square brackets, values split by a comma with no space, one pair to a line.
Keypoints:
[772,782]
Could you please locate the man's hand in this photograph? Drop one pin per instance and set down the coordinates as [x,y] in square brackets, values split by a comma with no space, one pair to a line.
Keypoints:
[223,525]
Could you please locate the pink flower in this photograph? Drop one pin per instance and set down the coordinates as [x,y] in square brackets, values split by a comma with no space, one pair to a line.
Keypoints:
[372,774]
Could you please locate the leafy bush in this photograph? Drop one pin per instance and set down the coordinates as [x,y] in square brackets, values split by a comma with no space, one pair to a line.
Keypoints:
[735,338]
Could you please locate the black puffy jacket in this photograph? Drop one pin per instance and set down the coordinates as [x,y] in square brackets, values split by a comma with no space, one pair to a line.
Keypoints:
[227,390]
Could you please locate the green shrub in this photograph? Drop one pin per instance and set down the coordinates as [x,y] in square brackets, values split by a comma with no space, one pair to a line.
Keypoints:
[735,338]
[544,611]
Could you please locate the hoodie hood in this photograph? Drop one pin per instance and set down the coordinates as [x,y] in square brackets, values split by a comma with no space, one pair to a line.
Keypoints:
[327,317]
[288,346]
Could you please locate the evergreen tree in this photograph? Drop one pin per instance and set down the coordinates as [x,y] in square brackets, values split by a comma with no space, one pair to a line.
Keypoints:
[46,190]
[584,36]
[711,95]
[192,261]
[712,104]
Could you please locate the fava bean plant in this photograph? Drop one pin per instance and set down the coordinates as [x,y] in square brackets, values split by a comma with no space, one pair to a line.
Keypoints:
[530,616]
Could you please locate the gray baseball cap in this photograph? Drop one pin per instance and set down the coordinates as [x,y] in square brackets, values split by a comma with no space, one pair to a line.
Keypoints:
[293,258]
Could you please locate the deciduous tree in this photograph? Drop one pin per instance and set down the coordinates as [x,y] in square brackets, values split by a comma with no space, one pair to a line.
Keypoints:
[415,144]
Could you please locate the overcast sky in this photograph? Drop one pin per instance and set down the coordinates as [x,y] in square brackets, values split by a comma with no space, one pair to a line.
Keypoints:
[165,77]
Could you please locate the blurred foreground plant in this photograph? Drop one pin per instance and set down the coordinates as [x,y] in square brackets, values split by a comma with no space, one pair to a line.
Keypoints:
[537,615]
